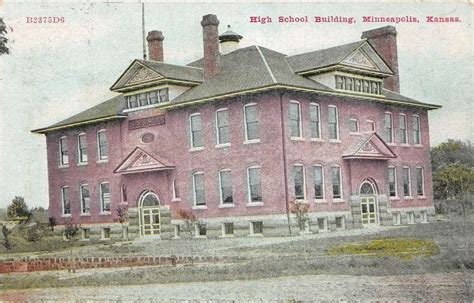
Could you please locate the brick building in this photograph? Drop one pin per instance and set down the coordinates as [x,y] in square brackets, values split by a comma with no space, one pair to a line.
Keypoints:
[239,134]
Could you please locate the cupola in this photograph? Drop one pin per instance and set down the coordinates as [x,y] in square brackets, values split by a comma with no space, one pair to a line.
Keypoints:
[229,41]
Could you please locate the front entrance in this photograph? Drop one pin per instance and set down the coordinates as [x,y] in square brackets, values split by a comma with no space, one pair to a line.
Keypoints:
[368,204]
[149,214]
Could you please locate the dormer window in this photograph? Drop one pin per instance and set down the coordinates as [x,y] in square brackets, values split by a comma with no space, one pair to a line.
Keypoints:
[339,82]
[358,85]
[148,98]
[366,86]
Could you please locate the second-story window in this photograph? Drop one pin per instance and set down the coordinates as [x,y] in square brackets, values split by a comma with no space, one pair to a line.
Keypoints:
[132,101]
[354,125]
[85,198]
[371,125]
[143,100]
[102,148]
[104,197]
[82,148]
[222,126]
[333,123]
[314,121]
[63,152]
[402,125]
[388,128]
[295,119]
[225,184]
[251,122]
[416,130]
[196,130]
[199,189]
[298,180]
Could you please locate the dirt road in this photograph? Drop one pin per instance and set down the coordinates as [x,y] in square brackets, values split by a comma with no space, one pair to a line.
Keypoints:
[453,287]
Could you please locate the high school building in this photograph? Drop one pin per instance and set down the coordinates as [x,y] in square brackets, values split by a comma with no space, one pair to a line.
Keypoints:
[241,133]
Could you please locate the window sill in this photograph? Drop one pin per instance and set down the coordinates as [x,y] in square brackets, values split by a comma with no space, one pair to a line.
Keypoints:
[195,149]
[85,215]
[252,141]
[338,200]
[301,201]
[176,200]
[408,198]
[223,145]
[200,237]
[229,205]
[421,197]
[404,145]
[355,134]
[104,213]
[102,161]
[391,144]
[394,198]
[335,141]
[317,140]
[82,163]
[418,145]
[63,166]
[66,216]
[254,204]
[297,139]
[227,236]
[320,201]
[255,235]
[199,207]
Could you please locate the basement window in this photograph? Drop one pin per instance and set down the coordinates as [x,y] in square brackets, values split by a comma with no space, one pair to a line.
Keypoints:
[106,233]
[86,234]
[322,224]
[228,229]
[201,230]
[340,222]
[256,228]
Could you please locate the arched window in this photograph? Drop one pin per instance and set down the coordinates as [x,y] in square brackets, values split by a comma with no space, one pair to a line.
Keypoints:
[149,199]
[366,189]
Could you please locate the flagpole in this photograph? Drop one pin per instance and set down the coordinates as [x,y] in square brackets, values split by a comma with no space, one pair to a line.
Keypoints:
[143,30]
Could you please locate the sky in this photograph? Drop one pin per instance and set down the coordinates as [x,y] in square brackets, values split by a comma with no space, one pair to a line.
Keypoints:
[57,70]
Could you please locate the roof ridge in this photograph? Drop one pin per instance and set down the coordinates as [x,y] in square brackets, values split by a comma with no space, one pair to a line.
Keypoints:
[165,63]
[328,48]
[266,64]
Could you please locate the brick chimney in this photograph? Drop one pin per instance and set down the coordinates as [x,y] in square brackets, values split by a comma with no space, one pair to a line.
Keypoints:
[384,40]
[155,45]
[210,25]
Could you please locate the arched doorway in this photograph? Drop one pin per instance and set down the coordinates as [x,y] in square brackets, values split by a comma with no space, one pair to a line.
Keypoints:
[149,205]
[368,203]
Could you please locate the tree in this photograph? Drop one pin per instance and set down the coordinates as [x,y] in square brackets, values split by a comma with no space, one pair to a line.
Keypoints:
[122,217]
[3,39]
[52,223]
[6,239]
[190,221]
[451,152]
[300,210]
[18,208]
[71,233]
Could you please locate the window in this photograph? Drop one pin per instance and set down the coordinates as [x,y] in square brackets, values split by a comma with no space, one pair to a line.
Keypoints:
[63,152]
[123,190]
[349,83]
[153,97]
[411,217]
[65,200]
[340,222]
[148,98]
[371,125]
[420,190]
[314,118]
[175,191]
[105,233]
[82,148]
[354,125]
[143,100]
[298,179]
[333,123]
[295,119]
[388,125]
[318,183]
[164,95]
[366,86]
[251,122]
[402,125]
[225,186]
[322,224]
[86,233]
[424,216]
[132,101]
[406,182]
[85,198]
[222,126]
[196,130]
[392,181]
[102,145]
[199,189]
[104,197]
[228,229]
[336,182]
[256,228]
[254,184]
[416,130]
[358,85]
[339,82]
[396,218]
[201,229]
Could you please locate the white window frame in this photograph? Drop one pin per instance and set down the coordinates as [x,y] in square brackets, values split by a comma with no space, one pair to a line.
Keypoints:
[396,218]
[101,199]
[100,157]
[197,230]
[396,197]
[102,233]
[405,131]
[311,105]
[323,199]
[357,132]
[300,128]
[391,142]
[304,182]
[174,189]
[418,119]
[338,137]
[410,194]
[218,138]
[373,126]
[61,159]
[249,194]
[252,230]
[201,206]
[84,213]
[80,160]
[62,201]
[191,135]
[221,201]
[83,234]
[422,182]
[247,141]
[340,199]
[223,230]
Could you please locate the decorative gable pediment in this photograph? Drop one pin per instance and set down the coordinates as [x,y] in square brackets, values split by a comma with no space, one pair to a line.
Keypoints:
[370,146]
[143,74]
[358,58]
[139,161]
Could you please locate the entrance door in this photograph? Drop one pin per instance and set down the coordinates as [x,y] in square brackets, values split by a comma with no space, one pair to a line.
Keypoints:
[149,214]
[368,204]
